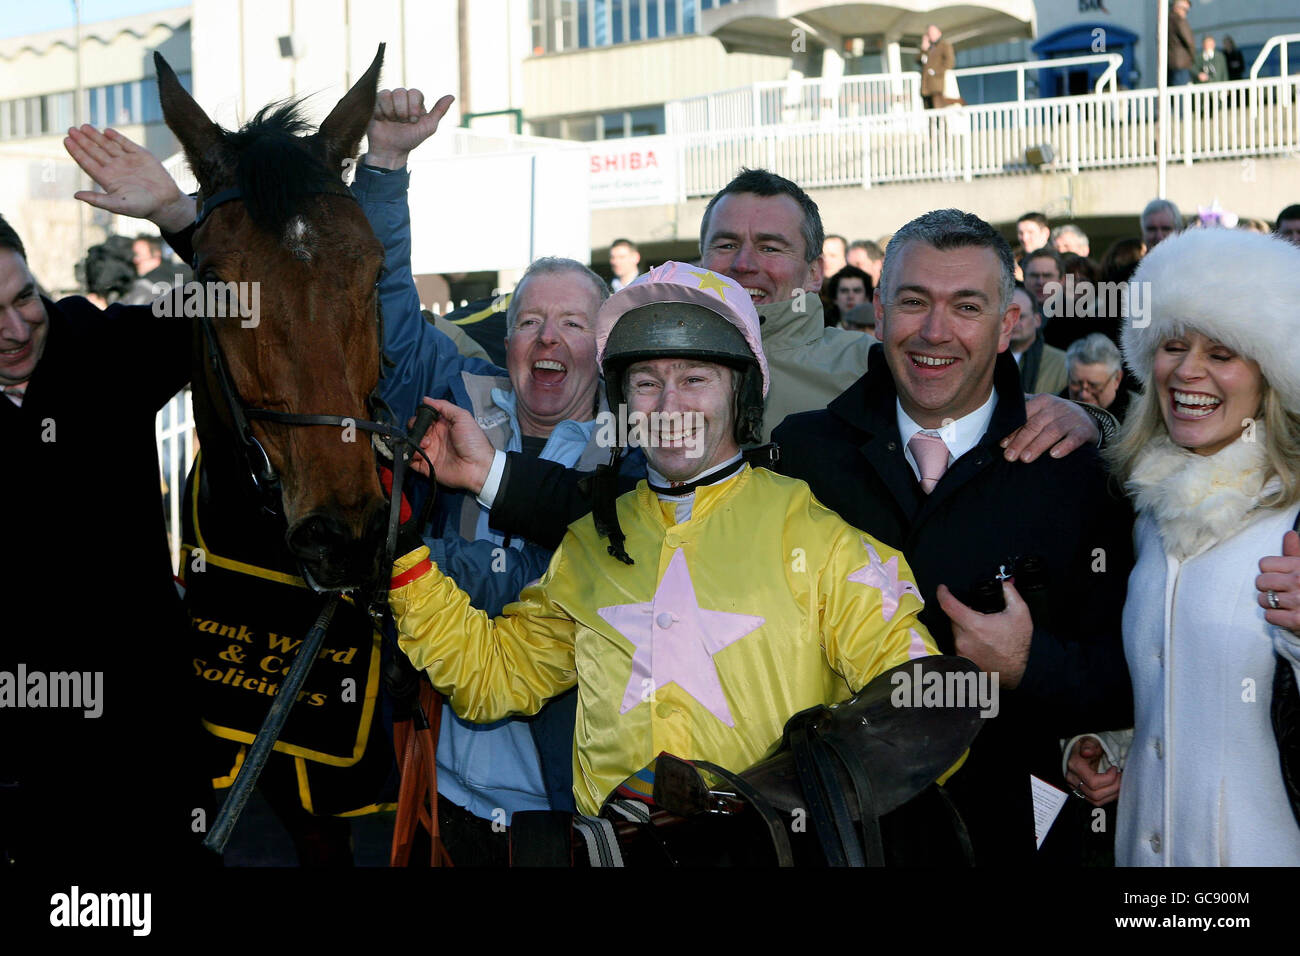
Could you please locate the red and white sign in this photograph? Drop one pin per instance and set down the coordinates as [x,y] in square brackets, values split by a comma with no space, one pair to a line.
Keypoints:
[641,171]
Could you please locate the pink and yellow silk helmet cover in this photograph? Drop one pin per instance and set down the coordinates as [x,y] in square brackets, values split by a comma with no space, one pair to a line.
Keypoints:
[679,282]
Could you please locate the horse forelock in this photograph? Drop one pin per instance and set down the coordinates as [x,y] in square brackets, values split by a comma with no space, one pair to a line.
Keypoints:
[279,172]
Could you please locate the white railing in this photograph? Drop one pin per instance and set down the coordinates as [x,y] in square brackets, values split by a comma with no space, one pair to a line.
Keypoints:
[1206,122]
[177,443]
[779,102]
[819,99]
[1107,79]
[1284,42]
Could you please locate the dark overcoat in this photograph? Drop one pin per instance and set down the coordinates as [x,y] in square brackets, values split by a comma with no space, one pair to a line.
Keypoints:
[986,512]
[88,589]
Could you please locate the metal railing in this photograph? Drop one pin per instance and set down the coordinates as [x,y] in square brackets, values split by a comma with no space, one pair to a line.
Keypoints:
[819,99]
[1283,42]
[1107,79]
[1206,122]
[781,102]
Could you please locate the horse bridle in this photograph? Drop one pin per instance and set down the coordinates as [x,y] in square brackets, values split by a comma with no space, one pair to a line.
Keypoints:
[265,478]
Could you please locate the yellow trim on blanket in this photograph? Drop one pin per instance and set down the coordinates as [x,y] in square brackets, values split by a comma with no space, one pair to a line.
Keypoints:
[372,678]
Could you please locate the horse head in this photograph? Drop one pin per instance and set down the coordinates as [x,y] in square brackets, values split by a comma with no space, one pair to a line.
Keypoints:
[288,267]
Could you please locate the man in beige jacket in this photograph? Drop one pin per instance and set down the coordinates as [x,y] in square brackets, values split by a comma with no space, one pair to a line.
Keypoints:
[760,230]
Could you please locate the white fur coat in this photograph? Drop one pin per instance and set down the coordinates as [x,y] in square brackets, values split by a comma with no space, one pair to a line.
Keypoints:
[1202,783]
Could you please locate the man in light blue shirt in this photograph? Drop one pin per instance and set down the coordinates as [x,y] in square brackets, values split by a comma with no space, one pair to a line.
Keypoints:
[544,403]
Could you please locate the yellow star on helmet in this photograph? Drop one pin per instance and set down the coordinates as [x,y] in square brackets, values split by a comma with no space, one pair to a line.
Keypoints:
[712,282]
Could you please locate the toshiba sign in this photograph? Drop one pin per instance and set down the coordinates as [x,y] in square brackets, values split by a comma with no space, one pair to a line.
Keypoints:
[641,171]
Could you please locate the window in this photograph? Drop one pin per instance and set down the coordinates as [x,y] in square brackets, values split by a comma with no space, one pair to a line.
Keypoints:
[567,34]
[537,21]
[559,25]
[648,122]
[151,109]
[613,126]
[119,104]
[61,110]
[619,125]
[548,128]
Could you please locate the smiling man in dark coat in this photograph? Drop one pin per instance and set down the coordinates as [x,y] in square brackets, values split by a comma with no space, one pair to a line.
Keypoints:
[910,455]
[102,779]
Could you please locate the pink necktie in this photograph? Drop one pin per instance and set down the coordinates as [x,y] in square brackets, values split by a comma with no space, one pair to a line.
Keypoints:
[931,456]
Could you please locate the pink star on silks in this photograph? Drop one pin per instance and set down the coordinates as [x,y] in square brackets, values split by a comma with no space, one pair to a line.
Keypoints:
[884,576]
[676,639]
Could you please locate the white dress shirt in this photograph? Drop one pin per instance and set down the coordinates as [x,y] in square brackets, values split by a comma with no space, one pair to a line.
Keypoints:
[960,436]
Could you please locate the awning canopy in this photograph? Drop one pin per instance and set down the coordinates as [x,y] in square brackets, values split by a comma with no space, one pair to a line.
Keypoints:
[765,26]
[1081,37]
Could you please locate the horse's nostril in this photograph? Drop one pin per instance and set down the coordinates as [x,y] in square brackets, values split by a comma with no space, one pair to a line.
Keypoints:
[316,537]
[335,556]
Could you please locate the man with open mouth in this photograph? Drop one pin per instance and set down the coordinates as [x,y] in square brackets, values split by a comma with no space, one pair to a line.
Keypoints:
[543,406]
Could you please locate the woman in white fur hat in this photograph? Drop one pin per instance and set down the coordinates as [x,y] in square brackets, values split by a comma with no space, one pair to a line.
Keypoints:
[1211,456]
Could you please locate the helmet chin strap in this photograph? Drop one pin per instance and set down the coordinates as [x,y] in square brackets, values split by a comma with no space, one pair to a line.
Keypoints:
[602,489]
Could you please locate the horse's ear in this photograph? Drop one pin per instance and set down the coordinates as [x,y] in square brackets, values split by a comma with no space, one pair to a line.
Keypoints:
[340,134]
[198,135]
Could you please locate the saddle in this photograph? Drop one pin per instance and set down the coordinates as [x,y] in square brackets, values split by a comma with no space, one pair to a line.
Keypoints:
[836,772]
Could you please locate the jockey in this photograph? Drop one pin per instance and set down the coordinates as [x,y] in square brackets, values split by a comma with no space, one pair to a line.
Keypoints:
[726,599]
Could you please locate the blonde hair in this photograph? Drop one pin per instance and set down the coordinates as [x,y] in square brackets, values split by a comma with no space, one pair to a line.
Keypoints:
[1281,442]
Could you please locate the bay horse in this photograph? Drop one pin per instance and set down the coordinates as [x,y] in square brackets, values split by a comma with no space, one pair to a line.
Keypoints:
[286,500]
[298,238]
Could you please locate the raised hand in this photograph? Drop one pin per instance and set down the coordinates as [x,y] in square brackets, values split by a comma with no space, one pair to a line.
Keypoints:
[134,181]
[400,124]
